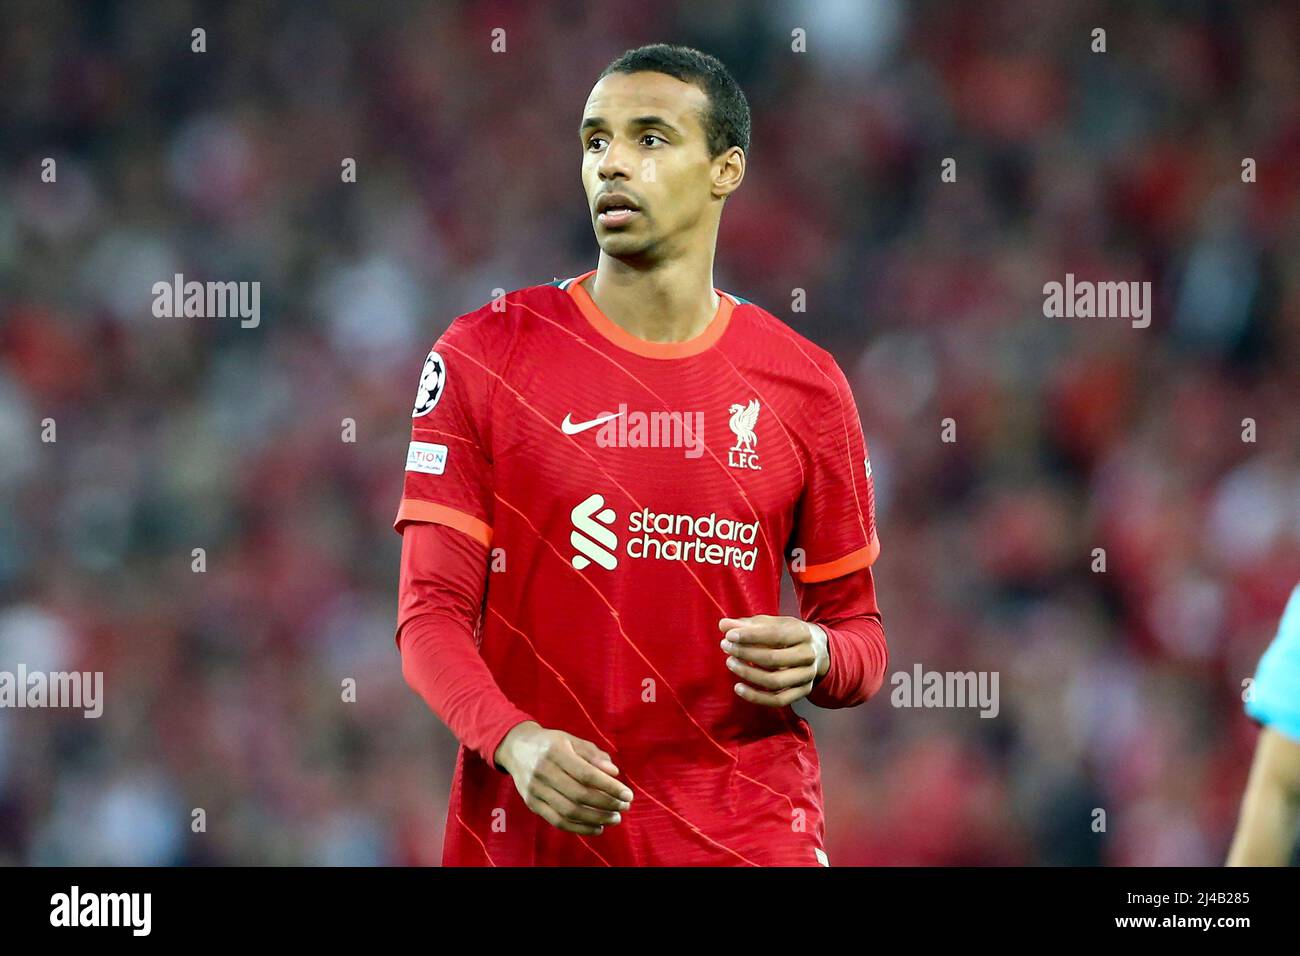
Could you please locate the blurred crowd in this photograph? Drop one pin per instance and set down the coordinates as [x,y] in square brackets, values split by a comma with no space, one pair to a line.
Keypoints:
[1174,449]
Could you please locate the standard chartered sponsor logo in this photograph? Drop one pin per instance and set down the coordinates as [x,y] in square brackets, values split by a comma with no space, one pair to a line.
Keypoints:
[704,539]
[594,541]
[678,537]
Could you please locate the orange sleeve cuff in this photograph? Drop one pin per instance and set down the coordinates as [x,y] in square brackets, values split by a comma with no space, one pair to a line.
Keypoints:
[417,509]
[853,561]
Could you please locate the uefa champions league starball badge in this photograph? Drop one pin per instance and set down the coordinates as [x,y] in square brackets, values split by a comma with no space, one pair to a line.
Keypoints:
[433,379]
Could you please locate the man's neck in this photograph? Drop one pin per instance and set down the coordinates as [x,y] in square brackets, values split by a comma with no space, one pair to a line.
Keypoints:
[672,303]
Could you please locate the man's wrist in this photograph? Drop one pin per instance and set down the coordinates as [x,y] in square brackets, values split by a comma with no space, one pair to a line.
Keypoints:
[822,642]
[500,758]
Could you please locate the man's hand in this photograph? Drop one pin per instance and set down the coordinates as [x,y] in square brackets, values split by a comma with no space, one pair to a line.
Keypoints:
[781,657]
[565,780]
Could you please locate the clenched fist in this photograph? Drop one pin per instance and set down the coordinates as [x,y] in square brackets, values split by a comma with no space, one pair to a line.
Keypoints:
[778,658]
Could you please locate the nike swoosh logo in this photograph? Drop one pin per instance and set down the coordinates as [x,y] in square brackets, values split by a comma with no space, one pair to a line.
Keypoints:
[569,428]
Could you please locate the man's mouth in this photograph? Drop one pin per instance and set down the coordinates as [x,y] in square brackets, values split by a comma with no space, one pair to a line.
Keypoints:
[615,209]
[616,215]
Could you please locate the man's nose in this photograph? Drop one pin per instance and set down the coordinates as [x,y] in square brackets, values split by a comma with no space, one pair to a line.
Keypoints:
[615,161]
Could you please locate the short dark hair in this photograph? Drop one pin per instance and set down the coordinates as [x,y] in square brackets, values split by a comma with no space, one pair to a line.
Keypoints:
[726,122]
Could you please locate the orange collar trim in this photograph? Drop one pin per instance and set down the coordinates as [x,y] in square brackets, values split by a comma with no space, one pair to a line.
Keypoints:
[660,350]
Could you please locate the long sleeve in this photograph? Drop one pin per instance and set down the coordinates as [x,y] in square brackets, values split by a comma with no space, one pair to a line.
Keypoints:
[845,608]
[440,599]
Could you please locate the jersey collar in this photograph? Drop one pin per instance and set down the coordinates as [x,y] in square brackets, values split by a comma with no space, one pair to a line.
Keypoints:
[624,339]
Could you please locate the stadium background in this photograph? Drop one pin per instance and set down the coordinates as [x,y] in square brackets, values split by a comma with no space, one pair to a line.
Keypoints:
[1119,690]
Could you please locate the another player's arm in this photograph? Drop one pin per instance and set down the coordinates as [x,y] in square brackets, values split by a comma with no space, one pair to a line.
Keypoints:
[1270,810]
[564,779]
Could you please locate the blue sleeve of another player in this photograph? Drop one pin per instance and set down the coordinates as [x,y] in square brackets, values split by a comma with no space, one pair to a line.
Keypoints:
[1276,697]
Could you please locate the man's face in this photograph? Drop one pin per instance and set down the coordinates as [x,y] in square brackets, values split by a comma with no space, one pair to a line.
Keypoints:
[642,137]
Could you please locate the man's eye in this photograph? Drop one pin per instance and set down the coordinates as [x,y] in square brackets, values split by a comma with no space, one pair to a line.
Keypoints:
[593,141]
[653,136]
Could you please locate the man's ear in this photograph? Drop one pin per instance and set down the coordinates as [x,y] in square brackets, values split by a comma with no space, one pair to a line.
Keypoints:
[730,172]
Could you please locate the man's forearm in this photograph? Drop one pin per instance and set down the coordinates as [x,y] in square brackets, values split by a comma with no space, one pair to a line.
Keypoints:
[445,669]
[845,609]
[440,596]
[858,657]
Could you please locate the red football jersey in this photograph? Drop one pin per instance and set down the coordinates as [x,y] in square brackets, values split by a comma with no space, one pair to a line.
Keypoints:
[631,494]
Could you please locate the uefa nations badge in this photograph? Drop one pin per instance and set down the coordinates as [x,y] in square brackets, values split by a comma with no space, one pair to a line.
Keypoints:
[743,420]
[426,457]
[433,380]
